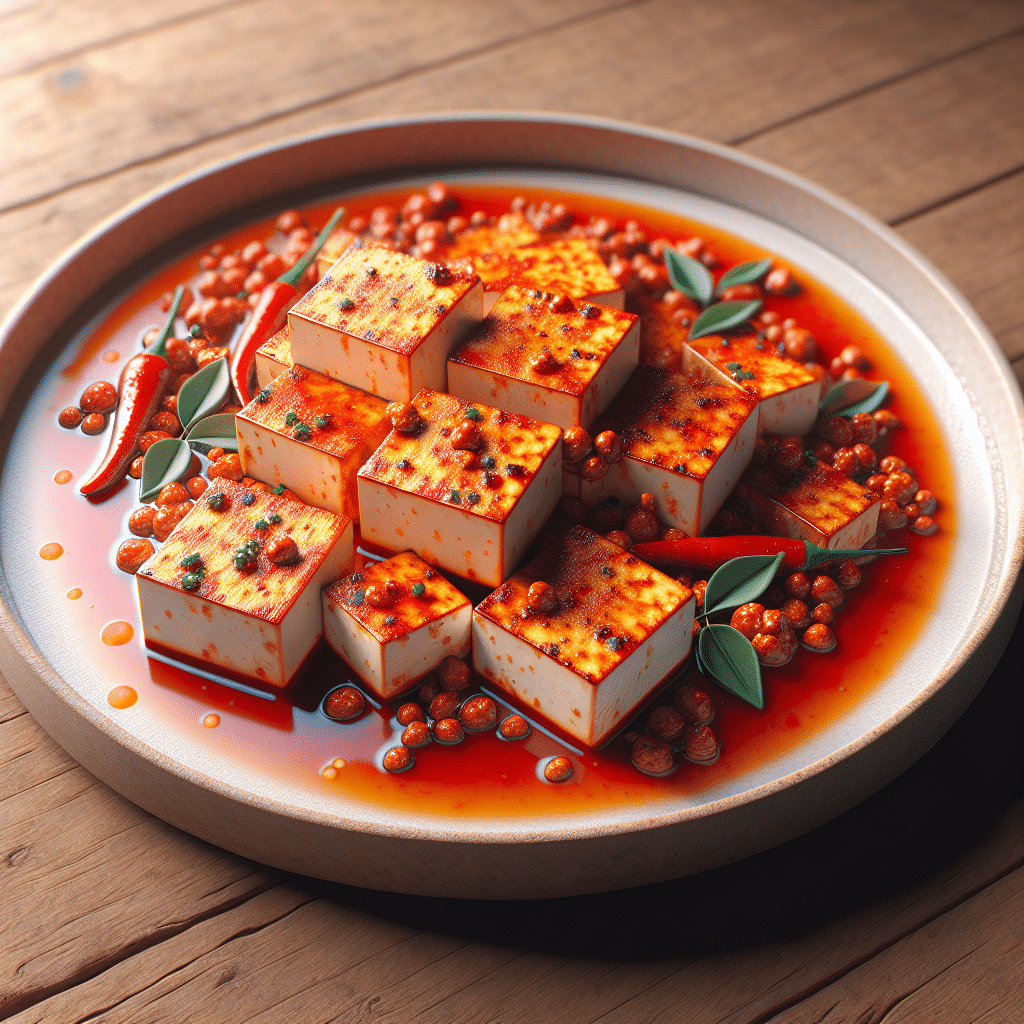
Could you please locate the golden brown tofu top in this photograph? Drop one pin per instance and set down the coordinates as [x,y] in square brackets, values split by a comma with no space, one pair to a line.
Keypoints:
[821,495]
[319,412]
[385,297]
[396,597]
[609,603]
[486,248]
[737,356]
[676,421]
[262,589]
[278,347]
[546,339]
[486,480]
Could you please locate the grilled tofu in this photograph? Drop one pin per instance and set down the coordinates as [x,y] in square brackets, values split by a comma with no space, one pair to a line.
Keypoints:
[385,322]
[312,434]
[617,629]
[395,621]
[473,511]
[547,357]
[258,624]
[273,357]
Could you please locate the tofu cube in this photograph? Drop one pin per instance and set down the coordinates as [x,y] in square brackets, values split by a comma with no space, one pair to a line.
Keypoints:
[662,338]
[787,391]
[395,621]
[615,630]
[311,434]
[273,357]
[567,266]
[258,624]
[339,241]
[385,322]
[473,510]
[821,505]
[547,357]
[685,439]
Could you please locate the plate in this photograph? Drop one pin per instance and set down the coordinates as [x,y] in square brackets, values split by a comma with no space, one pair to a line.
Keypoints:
[927,324]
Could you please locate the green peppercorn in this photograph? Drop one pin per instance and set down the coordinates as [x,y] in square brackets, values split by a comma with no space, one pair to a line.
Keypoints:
[358,597]
[323,421]
[302,432]
[291,417]
[346,303]
[196,331]
[262,524]
[190,560]
[248,498]
[216,500]
[454,497]
[279,489]
[473,414]
[191,581]
[418,589]
[472,497]
[264,396]
[275,518]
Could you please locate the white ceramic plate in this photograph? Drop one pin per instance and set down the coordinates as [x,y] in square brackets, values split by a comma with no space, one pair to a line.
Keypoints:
[929,326]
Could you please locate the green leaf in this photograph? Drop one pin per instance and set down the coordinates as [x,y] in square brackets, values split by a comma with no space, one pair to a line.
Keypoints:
[689,276]
[214,432]
[722,317]
[203,393]
[849,397]
[166,461]
[743,273]
[739,581]
[730,659]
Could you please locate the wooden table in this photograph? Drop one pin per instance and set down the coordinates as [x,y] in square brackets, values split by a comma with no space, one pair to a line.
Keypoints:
[909,907]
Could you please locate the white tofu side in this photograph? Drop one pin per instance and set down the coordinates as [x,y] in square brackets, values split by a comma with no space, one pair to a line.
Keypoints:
[239,644]
[268,366]
[793,411]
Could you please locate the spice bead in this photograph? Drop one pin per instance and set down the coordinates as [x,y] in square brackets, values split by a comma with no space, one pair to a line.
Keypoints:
[747,619]
[846,574]
[453,674]
[283,551]
[797,612]
[700,744]
[609,446]
[70,417]
[924,525]
[819,638]
[594,468]
[404,416]
[479,714]
[892,464]
[824,588]
[699,587]
[846,461]
[667,724]
[428,690]
[911,511]
[140,522]
[398,759]
[891,516]
[448,731]
[789,455]
[823,451]
[900,487]
[779,282]
[227,467]
[558,769]
[167,518]
[865,430]
[641,525]
[444,705]
[885,420]
[541,599]
[652,755]
[576,444]
[95,422]
[926,502]
[171,494]
[132,553]
[515,727]
[344,703]
[835,429]
[416,734]
[853,356]
[798,585]
[876,482]
[99,397]
[867,460]
[621,538]
[383,594]
[409,713]
[824,613]
[196,486]
[467,437]
[799,344]
[694,705]
[135,469]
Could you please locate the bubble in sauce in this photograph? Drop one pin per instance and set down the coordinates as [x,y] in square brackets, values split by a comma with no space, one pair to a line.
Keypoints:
[110,356]
[74,593]
[62,476]
[331,771]
[117,633]
[211,721]
[51,551]
[122,697]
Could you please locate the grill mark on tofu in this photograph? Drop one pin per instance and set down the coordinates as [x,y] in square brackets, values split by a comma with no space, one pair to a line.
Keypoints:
[773,373]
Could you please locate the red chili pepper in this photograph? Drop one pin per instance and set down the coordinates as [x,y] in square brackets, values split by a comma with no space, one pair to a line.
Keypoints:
[143,384]
[268,316]
[711,552]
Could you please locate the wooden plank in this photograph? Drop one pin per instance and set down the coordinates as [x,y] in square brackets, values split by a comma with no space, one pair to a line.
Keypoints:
[978,242]
[88,879]
[151,94]
[42,33]
[964,967]
[28,756]
[909,145]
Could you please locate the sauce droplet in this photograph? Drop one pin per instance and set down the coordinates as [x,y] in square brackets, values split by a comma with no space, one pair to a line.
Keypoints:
[330,772]
[62,476]
[74,594]
[110,356]
[117,633]
[51,551]
[211,721]
[122,697]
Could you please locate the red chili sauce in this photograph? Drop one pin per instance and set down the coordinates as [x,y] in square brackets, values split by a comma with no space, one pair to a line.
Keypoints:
[291,740]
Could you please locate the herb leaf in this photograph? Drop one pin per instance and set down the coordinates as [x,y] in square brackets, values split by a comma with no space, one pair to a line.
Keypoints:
[849,397]
[743,273]
[722,316]
[740,580]
[203,393]
[166,461]
[689,276]
[214,432]
[729,657]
